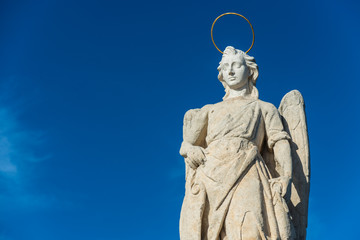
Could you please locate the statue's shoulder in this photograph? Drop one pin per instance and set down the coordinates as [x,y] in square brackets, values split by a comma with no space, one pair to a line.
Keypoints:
[266,107]
[198,111]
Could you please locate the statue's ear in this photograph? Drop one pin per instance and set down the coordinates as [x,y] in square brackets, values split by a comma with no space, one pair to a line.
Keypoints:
[251,74]
[251,77]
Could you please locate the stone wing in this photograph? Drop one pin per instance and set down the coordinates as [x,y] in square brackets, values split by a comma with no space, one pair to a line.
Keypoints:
[292,110]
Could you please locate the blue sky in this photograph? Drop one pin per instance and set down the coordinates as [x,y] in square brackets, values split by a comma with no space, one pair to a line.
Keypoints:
[92,96]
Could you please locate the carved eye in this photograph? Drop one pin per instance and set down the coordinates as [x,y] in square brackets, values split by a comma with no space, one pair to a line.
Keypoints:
[237,65]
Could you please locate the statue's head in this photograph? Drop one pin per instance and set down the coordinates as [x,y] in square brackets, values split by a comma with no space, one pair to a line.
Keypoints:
[238,70]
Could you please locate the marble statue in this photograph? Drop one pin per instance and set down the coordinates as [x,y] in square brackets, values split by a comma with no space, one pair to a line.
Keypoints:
[247,163]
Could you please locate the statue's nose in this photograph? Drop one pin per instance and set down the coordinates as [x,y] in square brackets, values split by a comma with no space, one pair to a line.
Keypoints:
[231,72]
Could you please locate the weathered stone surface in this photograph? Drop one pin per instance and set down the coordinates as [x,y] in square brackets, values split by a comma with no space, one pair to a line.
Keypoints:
[247,163]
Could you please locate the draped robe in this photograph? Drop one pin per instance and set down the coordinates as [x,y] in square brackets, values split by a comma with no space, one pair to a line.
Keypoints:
[229,196]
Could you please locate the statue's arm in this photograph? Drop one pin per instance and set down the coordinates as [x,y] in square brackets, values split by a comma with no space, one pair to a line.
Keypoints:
[282,155]
[278,141]
[194,134]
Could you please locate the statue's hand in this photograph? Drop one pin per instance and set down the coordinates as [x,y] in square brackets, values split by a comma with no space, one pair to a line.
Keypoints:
[280,185]
[195,157]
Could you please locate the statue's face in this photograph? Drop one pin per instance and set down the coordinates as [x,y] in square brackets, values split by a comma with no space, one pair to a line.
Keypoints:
[235,72]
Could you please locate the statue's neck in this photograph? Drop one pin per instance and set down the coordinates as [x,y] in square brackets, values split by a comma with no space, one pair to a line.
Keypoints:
[240,92]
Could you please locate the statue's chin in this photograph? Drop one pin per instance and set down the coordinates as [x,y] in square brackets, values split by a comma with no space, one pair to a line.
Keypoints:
[237,86]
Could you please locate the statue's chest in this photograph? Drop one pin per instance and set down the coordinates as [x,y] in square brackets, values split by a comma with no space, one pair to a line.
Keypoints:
[232,118]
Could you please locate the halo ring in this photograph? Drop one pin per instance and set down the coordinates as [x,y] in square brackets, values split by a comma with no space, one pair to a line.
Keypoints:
[237,14]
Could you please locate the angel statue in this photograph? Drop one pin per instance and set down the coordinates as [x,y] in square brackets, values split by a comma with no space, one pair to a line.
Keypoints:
[247,163]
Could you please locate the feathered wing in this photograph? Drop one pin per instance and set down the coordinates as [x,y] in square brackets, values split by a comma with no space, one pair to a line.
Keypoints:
[292,110]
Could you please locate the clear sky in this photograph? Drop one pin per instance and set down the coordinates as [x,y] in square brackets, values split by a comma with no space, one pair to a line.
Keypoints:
[93,93]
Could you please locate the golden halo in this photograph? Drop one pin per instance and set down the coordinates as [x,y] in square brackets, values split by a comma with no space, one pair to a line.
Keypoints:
[232,13]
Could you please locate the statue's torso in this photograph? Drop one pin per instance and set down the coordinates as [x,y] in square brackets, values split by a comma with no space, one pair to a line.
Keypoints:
[234,127]
[235,119]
